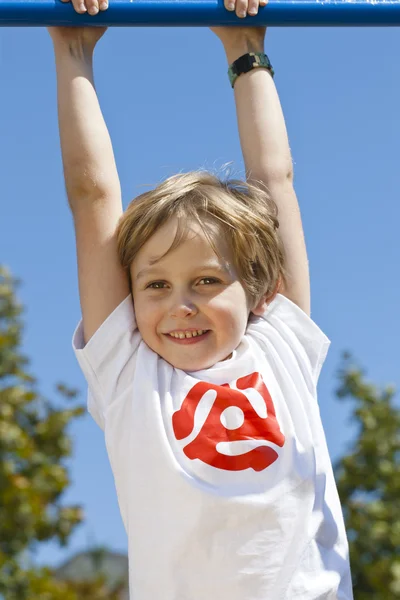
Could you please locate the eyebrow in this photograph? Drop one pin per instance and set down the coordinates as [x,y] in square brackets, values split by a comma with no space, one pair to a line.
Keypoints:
[212,267]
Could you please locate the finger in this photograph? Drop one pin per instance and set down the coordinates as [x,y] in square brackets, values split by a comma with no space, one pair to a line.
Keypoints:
[241,8]
[253,7]
[230,4]
[79,6]
[92,7]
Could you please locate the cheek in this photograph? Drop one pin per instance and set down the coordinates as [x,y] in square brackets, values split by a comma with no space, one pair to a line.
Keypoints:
[146,315]
[229,312]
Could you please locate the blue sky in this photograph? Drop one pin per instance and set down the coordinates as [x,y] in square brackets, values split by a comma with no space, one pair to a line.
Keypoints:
[169,107]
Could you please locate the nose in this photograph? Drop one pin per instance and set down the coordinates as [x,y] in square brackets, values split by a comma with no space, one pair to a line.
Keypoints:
[182,306]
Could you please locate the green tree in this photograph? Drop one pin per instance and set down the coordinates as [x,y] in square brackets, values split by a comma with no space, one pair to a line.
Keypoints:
[34,444]
[368,480]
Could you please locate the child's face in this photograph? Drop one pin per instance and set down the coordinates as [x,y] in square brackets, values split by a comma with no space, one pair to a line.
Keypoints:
[191,288]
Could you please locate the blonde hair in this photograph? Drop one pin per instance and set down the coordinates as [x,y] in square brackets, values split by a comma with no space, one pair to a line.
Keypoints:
[245,214]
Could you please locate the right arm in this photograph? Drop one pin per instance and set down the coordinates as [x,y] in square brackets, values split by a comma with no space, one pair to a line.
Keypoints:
[91,178]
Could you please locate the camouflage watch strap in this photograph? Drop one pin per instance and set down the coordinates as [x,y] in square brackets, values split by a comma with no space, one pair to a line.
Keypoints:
[247,62]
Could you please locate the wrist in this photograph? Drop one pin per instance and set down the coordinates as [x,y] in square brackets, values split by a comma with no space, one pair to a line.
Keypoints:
[234,49]
[73,48]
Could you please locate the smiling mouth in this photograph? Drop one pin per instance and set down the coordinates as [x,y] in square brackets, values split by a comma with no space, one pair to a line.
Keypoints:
[188,334]
[189,339]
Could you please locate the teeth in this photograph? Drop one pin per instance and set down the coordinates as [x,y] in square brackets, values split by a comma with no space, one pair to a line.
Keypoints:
[188,334]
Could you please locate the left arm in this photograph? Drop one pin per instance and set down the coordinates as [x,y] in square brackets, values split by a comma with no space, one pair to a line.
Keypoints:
[266,154]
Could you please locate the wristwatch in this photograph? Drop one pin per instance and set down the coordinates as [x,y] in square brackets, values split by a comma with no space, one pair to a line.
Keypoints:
[247,62]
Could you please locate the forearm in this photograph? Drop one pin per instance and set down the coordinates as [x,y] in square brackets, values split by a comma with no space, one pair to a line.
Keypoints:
[261,123]
[267,158]
[88,159]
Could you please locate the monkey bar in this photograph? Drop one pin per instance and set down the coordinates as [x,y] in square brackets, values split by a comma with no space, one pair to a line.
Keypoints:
[201,13]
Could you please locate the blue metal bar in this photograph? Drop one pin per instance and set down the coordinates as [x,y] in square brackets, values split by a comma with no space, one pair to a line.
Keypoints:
[201,13]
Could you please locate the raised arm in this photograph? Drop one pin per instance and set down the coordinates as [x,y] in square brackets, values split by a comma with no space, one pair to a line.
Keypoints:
[266,151]
[91,177]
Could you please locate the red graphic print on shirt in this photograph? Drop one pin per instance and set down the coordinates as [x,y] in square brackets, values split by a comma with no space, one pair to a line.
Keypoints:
[213,432]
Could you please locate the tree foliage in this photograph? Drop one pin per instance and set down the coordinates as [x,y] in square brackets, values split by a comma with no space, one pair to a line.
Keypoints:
[34,445]
[368,480]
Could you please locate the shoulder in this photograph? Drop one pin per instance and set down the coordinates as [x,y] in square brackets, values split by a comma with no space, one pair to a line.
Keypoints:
[108,359]
[290,331]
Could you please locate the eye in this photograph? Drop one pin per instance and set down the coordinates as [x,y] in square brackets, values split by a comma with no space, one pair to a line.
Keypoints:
[155,283]
[211,279]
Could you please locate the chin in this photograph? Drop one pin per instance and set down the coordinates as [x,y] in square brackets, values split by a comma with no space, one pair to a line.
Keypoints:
[193,365]
[190,365]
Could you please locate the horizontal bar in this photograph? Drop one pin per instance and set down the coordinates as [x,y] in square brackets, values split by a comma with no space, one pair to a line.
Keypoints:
[202,13]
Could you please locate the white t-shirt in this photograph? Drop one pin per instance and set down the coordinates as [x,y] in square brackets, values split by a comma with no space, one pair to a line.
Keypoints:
[223,475]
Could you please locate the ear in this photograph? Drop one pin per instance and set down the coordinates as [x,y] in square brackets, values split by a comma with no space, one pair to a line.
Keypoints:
[262,305]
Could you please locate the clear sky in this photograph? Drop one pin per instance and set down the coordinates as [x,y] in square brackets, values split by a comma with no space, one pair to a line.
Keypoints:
[169,107]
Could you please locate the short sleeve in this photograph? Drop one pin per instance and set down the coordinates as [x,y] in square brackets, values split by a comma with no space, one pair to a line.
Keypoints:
[300,334]
[108,359]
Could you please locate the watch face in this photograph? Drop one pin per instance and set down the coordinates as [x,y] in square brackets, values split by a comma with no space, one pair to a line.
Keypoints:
[247,62]
[244,64]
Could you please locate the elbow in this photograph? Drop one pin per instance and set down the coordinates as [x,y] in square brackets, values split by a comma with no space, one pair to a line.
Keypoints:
[273,175]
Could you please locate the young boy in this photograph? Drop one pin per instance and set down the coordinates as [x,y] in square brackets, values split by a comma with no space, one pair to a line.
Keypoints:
[200,355]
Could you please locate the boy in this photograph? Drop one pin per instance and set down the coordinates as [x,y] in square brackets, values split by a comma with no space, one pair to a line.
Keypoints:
[200,355]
